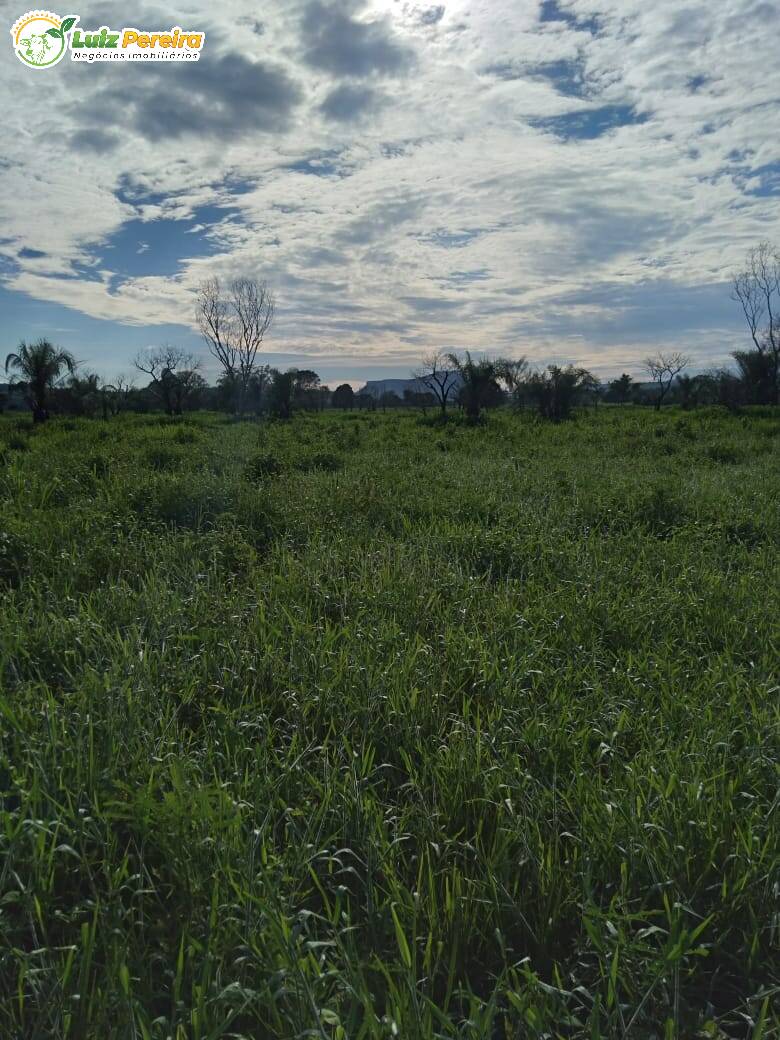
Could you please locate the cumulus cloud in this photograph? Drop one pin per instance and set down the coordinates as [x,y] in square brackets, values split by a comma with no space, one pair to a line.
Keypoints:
[337,42]
[349,104]
[219,96]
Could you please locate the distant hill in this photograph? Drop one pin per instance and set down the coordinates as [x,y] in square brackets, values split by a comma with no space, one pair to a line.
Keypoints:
[377,387]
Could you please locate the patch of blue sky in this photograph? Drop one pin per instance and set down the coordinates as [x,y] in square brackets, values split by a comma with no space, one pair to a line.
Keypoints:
[763,181]
[590,124]
[101,344]
[325,164]
[553,11]
[235,185]
[567,76]
[161,247]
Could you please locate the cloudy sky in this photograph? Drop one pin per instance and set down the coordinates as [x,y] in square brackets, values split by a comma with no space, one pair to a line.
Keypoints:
[567,179]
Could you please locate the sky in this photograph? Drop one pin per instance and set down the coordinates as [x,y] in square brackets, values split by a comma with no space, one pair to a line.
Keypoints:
[569,180]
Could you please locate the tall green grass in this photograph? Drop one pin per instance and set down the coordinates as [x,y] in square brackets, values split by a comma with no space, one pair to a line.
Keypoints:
[365,726]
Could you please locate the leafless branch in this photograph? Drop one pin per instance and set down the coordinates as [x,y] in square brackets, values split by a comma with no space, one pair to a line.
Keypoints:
[234,322]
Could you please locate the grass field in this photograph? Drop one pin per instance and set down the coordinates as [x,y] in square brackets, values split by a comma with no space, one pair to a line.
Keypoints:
[360,726]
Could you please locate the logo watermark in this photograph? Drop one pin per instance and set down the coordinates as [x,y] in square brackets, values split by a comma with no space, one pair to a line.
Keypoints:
[41,39]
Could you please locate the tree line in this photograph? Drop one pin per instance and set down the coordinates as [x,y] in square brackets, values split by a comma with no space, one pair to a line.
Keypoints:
[235,318]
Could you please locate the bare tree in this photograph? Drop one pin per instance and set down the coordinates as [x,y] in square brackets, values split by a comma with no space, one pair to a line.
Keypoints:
[757,289]
[663,368]
[172,371]
[234,321]
[120,391]
[439,375]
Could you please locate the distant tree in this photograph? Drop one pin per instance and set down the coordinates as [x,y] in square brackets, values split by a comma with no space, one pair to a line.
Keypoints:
[757,289]
[422,399]
[367,401]
[234,321]
[306,386]
[81,395]
[439,376]
[591,387]
[729,388]
[663,368]
[389,399]
[688,389]
[513,373]
[478,380]
[119,393]
[173,373]
[556,390]
[756,370]
[188,388]
[226,392]
[88,394]
[494,396]
[281,394]
[343,397]
[620,390]
[39,367]
[705,388]
[257,388]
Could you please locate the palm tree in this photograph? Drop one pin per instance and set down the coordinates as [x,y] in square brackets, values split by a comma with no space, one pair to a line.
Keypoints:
[39,367]
[556,390]
[478,379]
[86,392]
